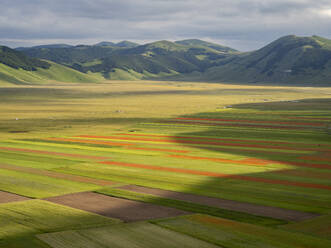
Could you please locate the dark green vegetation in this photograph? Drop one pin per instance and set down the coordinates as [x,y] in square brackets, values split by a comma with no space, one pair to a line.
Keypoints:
[263,146]
[18,60]
[288,60]
[127,60]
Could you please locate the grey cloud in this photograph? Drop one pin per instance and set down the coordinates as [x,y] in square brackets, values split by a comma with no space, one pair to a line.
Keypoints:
[248,23]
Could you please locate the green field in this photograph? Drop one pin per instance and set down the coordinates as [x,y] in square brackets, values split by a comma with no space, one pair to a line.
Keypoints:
[138,235]
[21,221]
[263,145]
[233,234]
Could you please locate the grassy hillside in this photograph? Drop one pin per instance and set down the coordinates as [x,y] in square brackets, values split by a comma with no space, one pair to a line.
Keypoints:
[201,43]
[17,68]
[44,46]
[18,60]
[56,72]
[290,59]
[157,59]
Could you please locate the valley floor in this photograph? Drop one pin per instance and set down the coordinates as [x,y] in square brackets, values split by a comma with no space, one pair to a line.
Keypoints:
[165,164]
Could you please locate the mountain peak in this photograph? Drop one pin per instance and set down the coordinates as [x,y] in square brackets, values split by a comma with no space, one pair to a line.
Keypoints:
[127,44]
[105,43]
[202,43]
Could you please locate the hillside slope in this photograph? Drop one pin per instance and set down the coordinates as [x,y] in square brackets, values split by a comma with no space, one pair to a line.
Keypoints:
[56,73]
[18,60]
[289,59]
[126,60]
[201,43]
[17,68]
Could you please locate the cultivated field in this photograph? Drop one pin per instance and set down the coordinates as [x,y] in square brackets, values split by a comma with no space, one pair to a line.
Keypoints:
[182,164]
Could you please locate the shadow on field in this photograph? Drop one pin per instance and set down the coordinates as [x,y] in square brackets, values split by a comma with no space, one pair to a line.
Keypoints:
[304,198]
[289,194]
[304,187]
[299,111]
[306,173]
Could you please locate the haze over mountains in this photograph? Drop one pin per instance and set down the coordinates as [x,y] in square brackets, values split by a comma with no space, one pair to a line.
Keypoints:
[290,59]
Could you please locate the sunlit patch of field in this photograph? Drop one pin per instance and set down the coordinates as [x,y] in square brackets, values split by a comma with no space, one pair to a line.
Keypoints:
[20,221]
[140,235]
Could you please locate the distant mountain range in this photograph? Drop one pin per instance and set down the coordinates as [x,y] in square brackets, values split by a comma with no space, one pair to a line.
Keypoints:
[290,59]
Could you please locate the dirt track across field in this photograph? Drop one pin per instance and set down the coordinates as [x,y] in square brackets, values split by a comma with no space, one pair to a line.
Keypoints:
[6,197]
[122,209]
[266,211]
[56,175]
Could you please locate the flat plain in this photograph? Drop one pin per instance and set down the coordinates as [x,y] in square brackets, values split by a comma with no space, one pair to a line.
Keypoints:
[244,165]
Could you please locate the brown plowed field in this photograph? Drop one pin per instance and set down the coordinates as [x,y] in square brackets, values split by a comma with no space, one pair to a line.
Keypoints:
[56,175]
[53,153]
[122,209]
[6,197]
[256,121]
[206,143]
[273,212]
[220,175]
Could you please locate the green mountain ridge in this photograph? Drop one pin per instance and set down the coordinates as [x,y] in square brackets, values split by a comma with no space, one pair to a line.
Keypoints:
[17,68]
[124,44]
[290,59]
[197,42]
[44,46]
[153,60]
[18,60]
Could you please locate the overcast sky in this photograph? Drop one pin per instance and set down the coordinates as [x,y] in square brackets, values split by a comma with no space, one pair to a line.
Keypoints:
[241,24]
